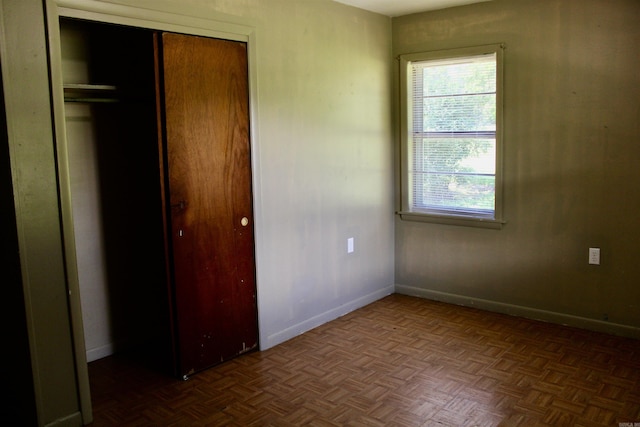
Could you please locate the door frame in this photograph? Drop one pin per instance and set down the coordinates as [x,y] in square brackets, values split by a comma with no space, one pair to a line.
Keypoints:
[165,17]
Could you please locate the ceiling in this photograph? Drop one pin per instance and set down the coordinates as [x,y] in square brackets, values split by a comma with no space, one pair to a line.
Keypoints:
[405,7]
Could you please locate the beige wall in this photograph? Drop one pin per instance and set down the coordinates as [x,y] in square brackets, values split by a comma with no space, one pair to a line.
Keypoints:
[571,174]
[326,162]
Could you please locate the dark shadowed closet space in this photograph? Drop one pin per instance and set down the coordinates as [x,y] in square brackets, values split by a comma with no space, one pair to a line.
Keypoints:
[111,128]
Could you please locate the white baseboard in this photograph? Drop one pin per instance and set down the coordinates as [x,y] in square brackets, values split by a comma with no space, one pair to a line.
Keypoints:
[526,312]
[100,352]
[322,318]
[71,420]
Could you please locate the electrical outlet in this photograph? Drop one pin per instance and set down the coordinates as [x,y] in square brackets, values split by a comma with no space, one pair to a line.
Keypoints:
[350,247]
[594,256]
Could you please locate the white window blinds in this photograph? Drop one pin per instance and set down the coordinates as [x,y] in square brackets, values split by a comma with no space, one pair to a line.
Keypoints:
[453,136]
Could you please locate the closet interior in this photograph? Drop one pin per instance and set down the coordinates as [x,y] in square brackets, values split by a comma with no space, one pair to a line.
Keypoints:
[113,156]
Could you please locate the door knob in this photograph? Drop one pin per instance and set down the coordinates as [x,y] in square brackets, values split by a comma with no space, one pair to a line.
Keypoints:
[244,221]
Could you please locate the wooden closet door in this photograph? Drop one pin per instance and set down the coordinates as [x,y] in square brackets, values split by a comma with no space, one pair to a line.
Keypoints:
[207,168]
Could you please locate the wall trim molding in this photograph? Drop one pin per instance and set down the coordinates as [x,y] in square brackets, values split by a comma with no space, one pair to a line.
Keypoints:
[523,311]
[322,318]
[72,420]
[100,352]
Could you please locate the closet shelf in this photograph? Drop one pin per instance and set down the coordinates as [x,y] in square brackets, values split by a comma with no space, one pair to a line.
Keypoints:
[90,93]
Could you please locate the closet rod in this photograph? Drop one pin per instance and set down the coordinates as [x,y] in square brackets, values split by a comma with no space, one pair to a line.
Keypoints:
[90,100]
[89,93]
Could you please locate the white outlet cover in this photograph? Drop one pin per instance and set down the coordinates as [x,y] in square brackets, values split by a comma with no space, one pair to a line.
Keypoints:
[350,247]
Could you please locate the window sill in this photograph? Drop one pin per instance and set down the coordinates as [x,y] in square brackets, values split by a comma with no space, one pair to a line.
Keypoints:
[494,224]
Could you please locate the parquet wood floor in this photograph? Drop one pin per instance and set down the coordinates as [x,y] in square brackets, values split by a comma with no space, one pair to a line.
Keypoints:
[400,361]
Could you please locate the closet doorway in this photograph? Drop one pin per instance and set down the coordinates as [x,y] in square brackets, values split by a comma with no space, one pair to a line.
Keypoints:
[157,134]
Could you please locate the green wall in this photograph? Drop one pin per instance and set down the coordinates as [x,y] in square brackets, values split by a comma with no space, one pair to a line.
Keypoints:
[571,156]
[19,406]
[43,309]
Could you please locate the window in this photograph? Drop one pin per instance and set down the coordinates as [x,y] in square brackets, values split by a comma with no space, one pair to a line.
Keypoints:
[451,136]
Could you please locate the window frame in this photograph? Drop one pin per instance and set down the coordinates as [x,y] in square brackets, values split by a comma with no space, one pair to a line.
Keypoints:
[407,211]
